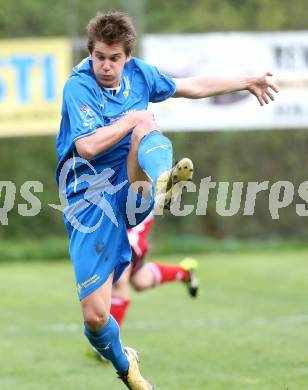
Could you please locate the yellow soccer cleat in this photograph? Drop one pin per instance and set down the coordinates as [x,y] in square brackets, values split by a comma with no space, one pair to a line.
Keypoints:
[191,265]
[132,378]
[166,190]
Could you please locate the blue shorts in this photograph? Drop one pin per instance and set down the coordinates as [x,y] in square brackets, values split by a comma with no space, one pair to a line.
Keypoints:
[97,253]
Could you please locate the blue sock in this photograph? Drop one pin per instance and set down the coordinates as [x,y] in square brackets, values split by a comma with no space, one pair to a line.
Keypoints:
[107,342]
[155,155]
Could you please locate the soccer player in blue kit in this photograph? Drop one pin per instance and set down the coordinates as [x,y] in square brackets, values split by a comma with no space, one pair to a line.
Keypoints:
[108,143]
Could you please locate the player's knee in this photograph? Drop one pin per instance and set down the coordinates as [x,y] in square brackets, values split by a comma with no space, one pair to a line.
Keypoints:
[143,278]
[143,128]
[139,285]
[95,320]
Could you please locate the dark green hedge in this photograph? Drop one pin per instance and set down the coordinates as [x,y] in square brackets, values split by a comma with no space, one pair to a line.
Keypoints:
[226,156]
[56,248]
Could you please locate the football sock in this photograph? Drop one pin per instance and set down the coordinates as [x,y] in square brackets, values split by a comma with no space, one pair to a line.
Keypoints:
[164,273]
[118,308]
[107,342]
[155,155]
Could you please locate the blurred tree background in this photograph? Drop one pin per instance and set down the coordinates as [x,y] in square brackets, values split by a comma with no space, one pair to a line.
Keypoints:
[44,18]
[225,156]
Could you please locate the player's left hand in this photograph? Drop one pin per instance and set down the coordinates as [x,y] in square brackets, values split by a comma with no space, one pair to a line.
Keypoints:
[263,89]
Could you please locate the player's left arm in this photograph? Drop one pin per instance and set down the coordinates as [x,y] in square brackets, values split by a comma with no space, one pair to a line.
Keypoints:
[201,87]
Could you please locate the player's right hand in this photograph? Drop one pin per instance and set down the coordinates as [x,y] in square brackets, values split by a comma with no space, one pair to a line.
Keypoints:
[144,123]
[141,116]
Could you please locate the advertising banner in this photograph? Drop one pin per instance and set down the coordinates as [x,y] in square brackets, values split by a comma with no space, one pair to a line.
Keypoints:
[32,75]
[285,54]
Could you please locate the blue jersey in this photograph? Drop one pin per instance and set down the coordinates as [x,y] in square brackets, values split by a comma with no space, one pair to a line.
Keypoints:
[87,106]
[96,218]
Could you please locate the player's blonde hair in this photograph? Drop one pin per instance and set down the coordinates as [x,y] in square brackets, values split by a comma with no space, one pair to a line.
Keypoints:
[112,28]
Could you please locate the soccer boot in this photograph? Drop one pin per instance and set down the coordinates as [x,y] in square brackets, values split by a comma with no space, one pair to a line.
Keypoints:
[93,353]
[132,377]
[191,265]
[166,190]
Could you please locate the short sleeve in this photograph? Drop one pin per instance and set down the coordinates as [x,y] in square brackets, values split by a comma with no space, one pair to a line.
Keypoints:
[83,108]
[160,86]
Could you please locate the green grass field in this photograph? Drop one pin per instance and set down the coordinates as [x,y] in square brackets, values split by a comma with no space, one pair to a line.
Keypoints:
[247,330]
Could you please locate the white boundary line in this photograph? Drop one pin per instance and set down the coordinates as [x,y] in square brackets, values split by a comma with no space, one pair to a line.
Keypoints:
[158,325]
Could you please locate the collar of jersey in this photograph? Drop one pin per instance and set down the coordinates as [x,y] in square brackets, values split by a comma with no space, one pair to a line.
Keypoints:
[118,97]
[110,90]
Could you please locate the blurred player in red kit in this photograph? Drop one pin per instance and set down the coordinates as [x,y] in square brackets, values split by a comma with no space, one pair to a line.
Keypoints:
[142,276]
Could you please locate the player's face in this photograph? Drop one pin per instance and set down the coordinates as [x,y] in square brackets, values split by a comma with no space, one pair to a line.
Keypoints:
[108,62]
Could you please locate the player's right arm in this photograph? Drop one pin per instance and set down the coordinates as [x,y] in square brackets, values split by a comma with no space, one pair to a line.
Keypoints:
[107,136]
[104,137]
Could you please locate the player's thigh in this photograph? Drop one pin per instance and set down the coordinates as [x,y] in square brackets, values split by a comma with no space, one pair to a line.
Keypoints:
[99,301]
[134,205]
[121,287]
[134,171]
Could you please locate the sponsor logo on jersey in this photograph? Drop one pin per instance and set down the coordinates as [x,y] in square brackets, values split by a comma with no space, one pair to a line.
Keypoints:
[87,115]
[87,283]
